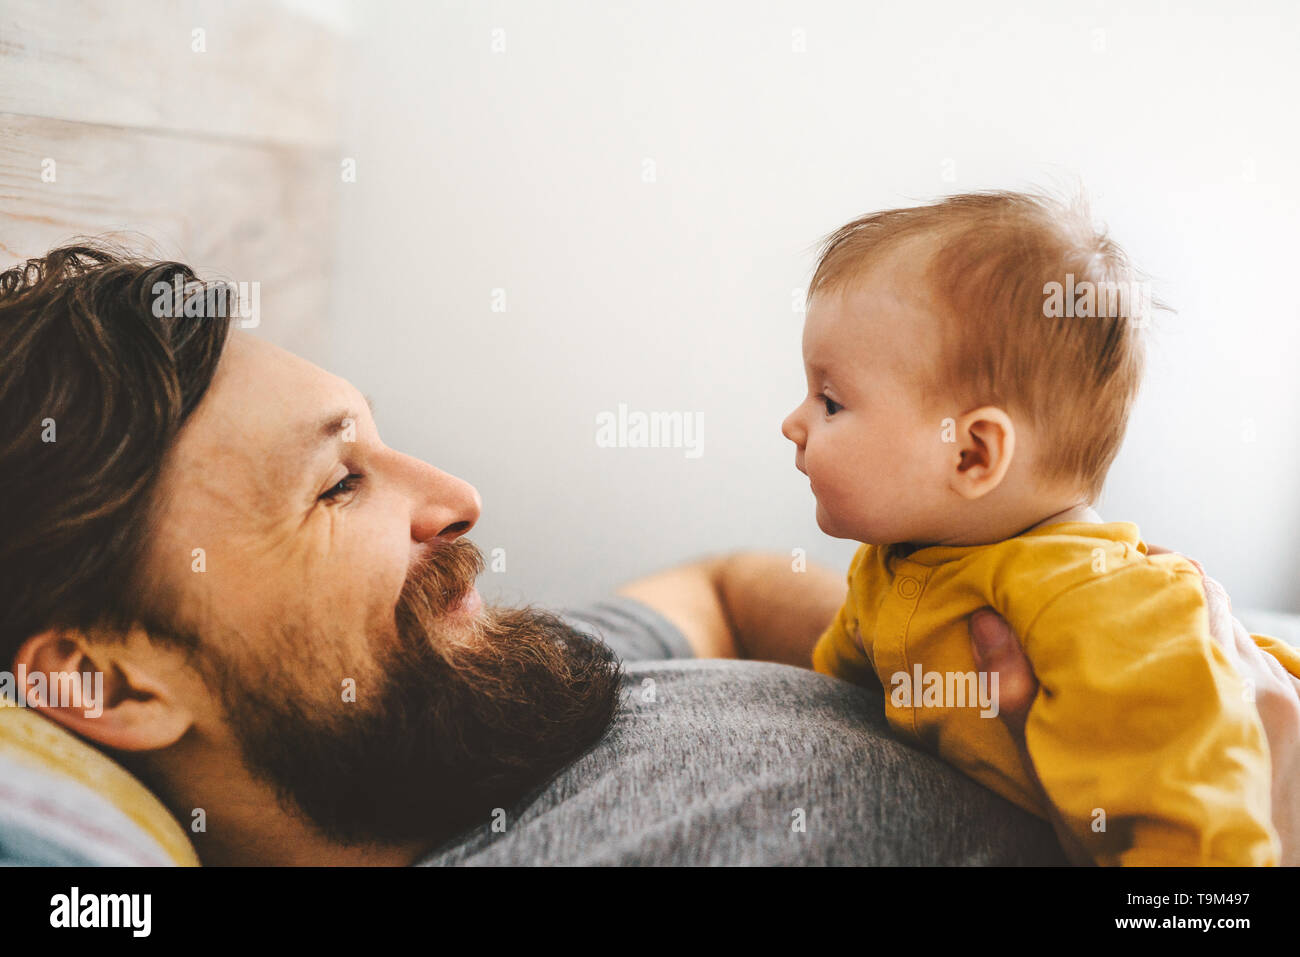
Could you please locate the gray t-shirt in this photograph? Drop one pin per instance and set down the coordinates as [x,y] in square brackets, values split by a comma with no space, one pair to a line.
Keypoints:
[745,762]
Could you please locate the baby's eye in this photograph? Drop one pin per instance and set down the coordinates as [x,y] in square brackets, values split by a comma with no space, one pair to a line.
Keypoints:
[831,405]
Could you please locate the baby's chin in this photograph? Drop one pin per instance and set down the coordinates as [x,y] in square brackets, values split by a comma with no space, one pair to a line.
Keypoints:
[833,526]
[856,529]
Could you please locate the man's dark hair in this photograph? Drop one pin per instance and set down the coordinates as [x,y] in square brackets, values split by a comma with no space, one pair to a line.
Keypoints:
[94,387]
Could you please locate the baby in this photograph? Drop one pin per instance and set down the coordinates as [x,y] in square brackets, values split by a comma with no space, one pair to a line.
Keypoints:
[971,366]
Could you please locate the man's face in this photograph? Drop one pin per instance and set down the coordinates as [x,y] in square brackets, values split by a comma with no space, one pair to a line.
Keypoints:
[333,604]
[307,521]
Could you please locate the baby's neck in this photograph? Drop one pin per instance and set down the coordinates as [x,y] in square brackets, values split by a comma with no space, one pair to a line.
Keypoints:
[1008,526]
[1078,513]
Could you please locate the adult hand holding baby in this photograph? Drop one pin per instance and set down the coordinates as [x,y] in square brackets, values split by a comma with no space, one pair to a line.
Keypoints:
[1277,698]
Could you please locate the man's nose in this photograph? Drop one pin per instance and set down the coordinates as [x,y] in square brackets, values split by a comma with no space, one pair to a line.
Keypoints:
[445,508]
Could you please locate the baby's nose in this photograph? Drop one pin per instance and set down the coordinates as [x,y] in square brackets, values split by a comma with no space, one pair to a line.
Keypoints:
[791,429]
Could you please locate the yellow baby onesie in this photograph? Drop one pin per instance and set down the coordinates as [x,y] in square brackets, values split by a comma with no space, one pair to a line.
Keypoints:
[1144,737]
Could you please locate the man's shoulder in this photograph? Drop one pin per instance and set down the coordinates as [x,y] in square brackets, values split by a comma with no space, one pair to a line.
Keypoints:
[634,630]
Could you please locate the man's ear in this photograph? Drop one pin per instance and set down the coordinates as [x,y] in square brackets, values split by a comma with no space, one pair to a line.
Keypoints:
[123,697]
[986,443]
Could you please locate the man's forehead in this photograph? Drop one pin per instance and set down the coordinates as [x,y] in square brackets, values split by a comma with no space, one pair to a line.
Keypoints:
[265,401]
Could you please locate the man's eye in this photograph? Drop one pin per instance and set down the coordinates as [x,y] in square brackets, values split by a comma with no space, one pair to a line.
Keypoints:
[343,487]
[831,405]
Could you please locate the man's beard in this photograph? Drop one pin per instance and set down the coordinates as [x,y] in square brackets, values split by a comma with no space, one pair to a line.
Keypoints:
[469,716]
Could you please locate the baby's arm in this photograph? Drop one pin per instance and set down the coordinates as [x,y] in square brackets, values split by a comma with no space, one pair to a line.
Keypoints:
[840,651]
[1142,733]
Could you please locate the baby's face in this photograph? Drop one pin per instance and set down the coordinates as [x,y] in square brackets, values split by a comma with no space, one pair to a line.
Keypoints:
[871,451]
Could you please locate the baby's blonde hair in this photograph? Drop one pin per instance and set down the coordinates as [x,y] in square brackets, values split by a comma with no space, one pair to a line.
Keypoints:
[1004,339]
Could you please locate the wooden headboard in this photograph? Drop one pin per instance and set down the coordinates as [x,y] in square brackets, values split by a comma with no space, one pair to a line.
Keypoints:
[200,131]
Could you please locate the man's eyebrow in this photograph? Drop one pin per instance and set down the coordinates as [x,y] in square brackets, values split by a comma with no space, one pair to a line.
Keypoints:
[336,421]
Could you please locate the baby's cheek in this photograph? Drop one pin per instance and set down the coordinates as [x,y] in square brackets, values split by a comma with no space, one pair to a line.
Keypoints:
[834,493]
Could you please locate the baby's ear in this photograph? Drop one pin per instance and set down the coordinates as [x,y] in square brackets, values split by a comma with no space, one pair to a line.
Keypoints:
[986,442]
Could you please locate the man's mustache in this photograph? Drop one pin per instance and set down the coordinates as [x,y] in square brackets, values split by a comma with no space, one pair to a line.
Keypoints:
[439,581]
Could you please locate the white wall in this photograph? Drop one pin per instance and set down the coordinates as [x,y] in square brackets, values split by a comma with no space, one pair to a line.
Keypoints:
[523,170]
